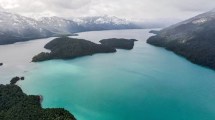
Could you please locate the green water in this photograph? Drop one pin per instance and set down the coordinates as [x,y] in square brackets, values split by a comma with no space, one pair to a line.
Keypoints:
[146,83]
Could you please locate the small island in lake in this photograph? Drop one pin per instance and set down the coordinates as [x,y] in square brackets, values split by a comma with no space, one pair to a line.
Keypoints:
[121,43]
[68,48]
[154,32]
[16,79]
[16,105]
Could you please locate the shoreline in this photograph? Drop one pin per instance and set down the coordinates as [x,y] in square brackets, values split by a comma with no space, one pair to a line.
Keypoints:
[41,98]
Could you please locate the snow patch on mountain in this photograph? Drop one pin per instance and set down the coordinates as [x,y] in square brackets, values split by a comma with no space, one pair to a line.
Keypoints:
[200,21]
[79,21]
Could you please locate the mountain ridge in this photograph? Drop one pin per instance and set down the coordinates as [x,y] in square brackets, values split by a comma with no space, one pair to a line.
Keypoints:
[16,28]
[193,39]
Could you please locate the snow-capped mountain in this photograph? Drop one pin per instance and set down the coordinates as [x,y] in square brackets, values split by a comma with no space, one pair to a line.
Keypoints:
[14,27]
[101,20]
[58,25]
[197,20]
[104,23]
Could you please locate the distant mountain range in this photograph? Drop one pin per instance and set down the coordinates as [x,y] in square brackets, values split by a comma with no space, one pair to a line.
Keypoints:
[15,28]
[61,25]
[193,38]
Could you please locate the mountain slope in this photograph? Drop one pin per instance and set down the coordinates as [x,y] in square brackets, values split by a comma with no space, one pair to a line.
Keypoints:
[61,25]
[15,28]
[194,39]
[105,23]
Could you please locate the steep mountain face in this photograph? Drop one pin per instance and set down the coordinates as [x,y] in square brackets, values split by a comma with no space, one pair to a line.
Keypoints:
[194,39]
[15,28]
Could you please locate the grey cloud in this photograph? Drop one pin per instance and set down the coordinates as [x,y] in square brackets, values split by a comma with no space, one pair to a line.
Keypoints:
[67,4]
[131,9]
[194,5]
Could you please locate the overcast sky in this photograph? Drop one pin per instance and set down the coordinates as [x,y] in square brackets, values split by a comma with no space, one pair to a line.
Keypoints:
[130,9]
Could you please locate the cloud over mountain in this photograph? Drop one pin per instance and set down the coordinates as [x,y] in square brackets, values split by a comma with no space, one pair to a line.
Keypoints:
[136,9]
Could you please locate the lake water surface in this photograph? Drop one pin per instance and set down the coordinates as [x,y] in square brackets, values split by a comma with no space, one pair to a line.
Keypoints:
[146,83]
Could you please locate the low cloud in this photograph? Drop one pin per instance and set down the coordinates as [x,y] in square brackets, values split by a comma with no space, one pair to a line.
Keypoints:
[130,9]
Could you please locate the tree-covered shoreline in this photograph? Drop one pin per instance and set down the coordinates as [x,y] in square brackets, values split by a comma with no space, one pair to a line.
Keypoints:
[16,105]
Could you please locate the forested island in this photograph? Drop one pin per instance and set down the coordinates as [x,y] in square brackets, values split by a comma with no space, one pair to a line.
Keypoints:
[120,43]
[16,105]
[154,31]
[69,48]
[16,79]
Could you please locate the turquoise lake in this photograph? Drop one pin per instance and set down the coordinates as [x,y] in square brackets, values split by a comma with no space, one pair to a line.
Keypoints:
[146,83]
